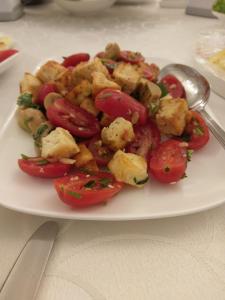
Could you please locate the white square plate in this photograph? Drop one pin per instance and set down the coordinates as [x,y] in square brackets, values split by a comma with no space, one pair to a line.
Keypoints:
[204,187]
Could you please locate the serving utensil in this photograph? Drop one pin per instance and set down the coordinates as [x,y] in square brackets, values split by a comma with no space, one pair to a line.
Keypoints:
[197,91]
[25,276]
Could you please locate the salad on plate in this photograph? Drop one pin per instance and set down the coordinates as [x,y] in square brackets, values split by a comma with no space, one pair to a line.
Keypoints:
[100,123]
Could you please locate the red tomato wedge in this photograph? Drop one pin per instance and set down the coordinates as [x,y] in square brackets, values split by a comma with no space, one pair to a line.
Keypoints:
[82,190]
[147,138]
[101,153]
[196,132]
[169,161]
[4,54]
[173,86]
[131,57]
[39,167]
[118,104]
[44,91]
[76,120]
[74,59]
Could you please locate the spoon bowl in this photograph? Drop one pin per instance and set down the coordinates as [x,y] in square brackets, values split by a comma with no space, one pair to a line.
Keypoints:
[197,91]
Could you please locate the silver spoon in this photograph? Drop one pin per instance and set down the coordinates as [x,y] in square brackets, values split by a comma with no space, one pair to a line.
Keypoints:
[197,92]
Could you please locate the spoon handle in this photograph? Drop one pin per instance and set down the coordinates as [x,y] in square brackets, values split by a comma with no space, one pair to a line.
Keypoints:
[216,130]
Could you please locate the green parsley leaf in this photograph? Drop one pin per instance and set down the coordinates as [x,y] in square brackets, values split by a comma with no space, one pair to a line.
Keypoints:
[153,107]
[189,154]
[185,137]
[74,194]
[25,100]
[90,184]
[184,176]
[42,162]
[219,6]
[39,133]
[139,182]
[198,131]
[163,89]
[104,182]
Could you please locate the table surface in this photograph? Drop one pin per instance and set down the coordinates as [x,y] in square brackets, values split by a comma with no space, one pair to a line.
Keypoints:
[175,258]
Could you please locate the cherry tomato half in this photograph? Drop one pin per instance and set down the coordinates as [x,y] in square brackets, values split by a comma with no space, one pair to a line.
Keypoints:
[74,59]
[173,86]
[131,57]
[118,104]
[147,138]
[82,190]
[169,161]
[76,120]
[196,132]
[44,91]
[101,153]
[4,54]
[39,167]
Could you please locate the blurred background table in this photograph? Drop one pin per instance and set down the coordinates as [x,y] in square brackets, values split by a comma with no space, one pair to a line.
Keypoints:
[176,258]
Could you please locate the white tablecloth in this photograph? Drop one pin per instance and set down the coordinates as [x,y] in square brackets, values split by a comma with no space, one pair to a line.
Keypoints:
[176,258]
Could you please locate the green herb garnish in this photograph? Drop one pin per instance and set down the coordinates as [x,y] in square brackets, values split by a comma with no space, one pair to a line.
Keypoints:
[198,131]
[90,184]
[154,107]
[163,89]
[74,194]
[104,182]
[26,123]
[219,6]
[25,100]
[189,154]
[184,176]
[139,182]
[39,133]
[186,137]
[42,162]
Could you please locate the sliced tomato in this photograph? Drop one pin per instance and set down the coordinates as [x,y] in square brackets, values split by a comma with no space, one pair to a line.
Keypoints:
[150,71]
[40,167]
[101,153]
[74,59]
[44,91]
[76,120]
[82,190]
[4,54]
[196,132]
[131,57]
[118,104]
[173,86]
[147,138]
[169,161]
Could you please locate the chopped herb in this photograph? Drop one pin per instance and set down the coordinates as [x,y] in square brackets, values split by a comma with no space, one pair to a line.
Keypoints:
[62,188]
[139,182]
[39,133]
[184,176]
[163,89]
[186,137]
[104,182]
[42,162]
[189,154]
[25,157]
[198,131]
[219,6]
[154,107]
[167,169]
[25,100]
[74,194]
[90,184]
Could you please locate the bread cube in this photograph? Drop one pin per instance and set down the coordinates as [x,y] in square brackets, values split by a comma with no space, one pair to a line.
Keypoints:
[59,144]
[50,71]
[112,51]
[85,70]
[83,157]
[89,105]
[64,82]
[80,92]
[171,116]
[127,77]
[100,82]
[30,84]
[118,134]
[129,168]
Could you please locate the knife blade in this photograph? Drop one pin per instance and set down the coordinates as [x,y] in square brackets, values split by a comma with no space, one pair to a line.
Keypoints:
[25,276]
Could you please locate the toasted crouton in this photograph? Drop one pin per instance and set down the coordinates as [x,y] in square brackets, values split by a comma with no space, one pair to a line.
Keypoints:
[101,82]
[118,134]
[172,116]
[85,70]
[58,144]
[89,105]
[149,71]
[30,84]
[64,82]
[112,51]
[80,92]
[127,77]
[129,168]
[50,71]
[83,157]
